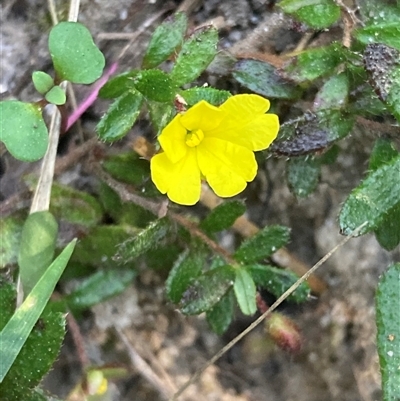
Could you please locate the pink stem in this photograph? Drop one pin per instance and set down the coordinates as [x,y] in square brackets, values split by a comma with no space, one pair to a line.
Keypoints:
[76,114]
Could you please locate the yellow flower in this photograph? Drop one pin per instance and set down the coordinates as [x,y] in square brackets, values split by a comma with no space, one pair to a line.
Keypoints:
[214,143]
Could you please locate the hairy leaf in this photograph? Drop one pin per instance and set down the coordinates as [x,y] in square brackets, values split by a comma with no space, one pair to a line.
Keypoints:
[186,268]
[213,96]
[223,216]
[165,39]
[220,316]
[372,200]
[303,175]
[207,290]
[120,117]
[146,239]
[277,281]
[264,79]
[98,287]
[197,52]
[388,336]
[263,244]
[16,332]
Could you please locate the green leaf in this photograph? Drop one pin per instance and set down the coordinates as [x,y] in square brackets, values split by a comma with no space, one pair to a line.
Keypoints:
[120,117]
[74,206]
[211,95]
[372,200]
[22,130]
[16,331]
[388,233]
[206,290]
[317,14]
[118,85]
[388,336]
[98,247]
[75,57]
[263,244]
[187,267]
[382,153]
[163,258]
[196,54]
[38,242]
[165,39]
[56,95]
[312,133]
[264,79]
[98,287]
[303,175]
[154,85]
[160,114]
[338,124]
[127,167]
[220,316]
[375,13]
[382,64]
[8,299]
[277,281]
[333,94]
[10,234]
[314,63]
[35,358]
[146,239]
[387,33]
[42,82]
[245,291]
[223,216]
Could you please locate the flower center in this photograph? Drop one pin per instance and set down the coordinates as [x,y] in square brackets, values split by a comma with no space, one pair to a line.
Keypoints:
[193,138]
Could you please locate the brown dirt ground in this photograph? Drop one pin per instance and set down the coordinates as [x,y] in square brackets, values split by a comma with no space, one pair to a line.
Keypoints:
[338,360]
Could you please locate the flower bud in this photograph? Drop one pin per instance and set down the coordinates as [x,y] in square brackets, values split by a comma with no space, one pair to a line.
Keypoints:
[284,332]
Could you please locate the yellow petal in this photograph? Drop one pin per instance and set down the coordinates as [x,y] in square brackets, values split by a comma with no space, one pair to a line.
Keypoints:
[227,167]
[202,116]
[246,124]
[172,139]
[180,181]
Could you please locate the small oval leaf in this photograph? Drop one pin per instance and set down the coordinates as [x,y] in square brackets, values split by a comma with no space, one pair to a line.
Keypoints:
[22,130]
[42,82]
[245,291]
[56,95]
[75,56]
